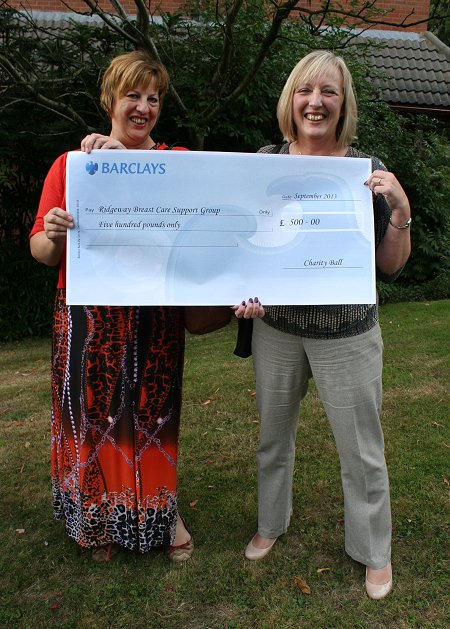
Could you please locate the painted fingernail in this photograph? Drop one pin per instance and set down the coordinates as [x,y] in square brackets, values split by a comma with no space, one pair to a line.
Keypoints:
[243,303]
[256,300]
[250,301]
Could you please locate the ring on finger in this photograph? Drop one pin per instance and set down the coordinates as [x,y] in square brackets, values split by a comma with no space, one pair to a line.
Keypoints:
[379,181]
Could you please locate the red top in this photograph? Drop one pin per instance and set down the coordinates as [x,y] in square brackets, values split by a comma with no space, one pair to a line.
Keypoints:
[54,195]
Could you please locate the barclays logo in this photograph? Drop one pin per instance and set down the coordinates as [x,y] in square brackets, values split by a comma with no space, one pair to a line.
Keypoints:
[125,168]
[92,167]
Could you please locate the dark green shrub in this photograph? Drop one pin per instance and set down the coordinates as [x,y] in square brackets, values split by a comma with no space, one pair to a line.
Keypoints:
[27,292]
[432,290]
[411,147]
[414,149]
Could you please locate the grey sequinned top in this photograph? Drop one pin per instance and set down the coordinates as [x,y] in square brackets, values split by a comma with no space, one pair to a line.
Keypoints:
[333,321]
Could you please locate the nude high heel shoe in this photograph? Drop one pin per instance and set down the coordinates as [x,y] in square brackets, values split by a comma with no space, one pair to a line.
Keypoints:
[253,553]
[378,591]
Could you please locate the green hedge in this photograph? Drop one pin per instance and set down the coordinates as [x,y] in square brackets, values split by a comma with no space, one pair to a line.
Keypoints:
[27,292]
[432,290]
[413,147]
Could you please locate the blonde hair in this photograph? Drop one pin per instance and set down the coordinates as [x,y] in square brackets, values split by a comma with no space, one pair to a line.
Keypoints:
[126,72]
[312,67]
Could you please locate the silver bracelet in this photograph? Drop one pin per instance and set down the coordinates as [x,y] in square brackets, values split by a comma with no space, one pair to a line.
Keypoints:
[405,226]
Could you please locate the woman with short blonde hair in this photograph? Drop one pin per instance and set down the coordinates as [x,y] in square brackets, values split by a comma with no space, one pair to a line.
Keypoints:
[340,346]
[310,67]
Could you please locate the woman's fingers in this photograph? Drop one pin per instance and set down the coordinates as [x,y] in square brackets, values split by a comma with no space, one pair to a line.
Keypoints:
[252,309]
[56,223]
[387,184]
[99,141]
[89,141]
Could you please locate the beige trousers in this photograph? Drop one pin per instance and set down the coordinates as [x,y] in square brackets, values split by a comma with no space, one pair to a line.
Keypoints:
[347,373]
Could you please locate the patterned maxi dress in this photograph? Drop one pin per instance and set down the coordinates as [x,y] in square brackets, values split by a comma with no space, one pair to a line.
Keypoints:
[116,401]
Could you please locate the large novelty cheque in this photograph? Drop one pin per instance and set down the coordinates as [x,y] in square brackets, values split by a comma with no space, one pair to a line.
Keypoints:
[198,228]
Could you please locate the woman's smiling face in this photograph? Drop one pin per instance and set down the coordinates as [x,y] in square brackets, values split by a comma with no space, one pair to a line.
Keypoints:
[317,107]
[134,116]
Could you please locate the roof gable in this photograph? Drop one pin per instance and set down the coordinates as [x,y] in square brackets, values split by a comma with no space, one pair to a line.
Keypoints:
[413,69]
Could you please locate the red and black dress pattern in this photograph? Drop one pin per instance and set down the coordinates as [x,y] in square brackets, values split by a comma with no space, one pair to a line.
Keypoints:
[116,391]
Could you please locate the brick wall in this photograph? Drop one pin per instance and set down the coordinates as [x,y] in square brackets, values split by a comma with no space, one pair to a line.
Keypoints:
[421,8]
[78,5]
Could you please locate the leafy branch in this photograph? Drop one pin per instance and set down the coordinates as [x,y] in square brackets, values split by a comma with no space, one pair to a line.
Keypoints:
[213,30]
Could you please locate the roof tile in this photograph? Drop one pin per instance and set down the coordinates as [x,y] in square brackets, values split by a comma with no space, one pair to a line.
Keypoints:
[410,68]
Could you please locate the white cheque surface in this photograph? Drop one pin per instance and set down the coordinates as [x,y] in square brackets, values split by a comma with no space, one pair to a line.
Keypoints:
[198,228]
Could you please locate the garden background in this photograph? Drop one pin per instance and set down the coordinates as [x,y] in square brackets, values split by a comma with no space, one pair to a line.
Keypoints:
[228,62]
[45,580]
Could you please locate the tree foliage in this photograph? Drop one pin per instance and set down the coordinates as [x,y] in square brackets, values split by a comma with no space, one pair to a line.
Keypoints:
[419,154]
[440,27]
[214,50]
[228,61]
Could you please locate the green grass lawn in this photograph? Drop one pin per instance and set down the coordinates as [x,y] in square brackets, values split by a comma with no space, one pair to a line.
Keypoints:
[47,581]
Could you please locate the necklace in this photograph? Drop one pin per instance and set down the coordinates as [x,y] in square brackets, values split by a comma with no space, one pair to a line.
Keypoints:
[328,154]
